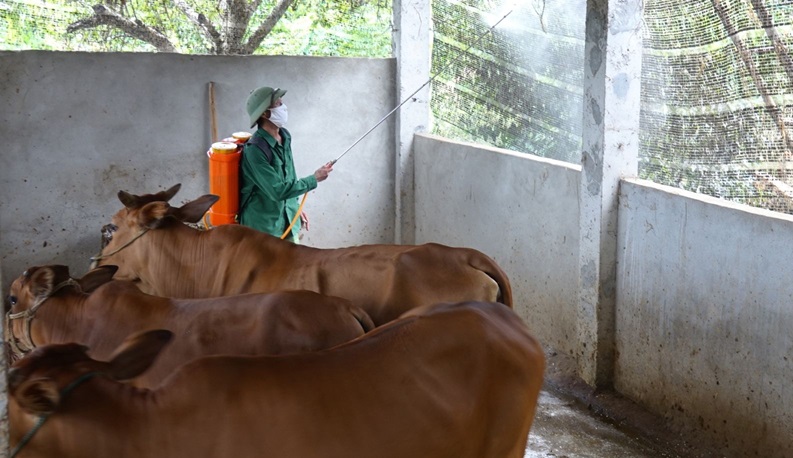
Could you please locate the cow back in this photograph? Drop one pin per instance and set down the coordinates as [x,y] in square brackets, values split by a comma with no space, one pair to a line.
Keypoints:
[175,260]
[276,323]
[451,381]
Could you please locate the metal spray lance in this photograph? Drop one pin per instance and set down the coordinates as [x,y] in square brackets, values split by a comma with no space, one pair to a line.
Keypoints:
[417,90]
[303,201]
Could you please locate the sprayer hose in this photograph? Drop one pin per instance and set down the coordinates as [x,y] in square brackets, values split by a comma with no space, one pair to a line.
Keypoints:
[297,215]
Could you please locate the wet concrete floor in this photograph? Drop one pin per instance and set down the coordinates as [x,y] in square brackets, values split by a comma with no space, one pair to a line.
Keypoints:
[574,421]
[564,428]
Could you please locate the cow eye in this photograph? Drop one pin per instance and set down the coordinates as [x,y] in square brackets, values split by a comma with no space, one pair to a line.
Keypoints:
[10,302]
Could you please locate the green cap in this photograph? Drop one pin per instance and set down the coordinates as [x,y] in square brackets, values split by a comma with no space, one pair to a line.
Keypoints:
[260,100]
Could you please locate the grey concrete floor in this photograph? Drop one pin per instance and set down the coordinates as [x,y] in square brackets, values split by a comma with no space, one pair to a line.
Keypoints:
[574,421]
[563,428]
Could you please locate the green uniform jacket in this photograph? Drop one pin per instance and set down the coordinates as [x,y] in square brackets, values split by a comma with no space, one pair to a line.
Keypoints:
[269,192]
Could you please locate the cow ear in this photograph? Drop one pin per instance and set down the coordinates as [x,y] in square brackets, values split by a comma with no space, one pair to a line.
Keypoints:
[44,279]
[129,200]
[132,201]
[168,193]
[192,212]
[39,396]
[137,353]
[152,215]
[42,282]
[97,277]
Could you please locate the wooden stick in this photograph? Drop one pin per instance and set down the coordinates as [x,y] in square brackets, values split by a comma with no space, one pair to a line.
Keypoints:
[212,119]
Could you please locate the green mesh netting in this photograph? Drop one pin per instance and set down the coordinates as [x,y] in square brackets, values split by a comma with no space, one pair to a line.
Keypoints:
[501,86]
[717,88]
[717,99]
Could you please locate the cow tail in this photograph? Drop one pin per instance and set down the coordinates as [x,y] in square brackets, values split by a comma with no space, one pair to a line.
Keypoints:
[363,318]
[487,265]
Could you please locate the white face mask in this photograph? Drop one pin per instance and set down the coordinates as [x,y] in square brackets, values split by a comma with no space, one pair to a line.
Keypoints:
[279,115]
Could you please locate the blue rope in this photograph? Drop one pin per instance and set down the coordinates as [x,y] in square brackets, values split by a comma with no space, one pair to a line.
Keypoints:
[44,418]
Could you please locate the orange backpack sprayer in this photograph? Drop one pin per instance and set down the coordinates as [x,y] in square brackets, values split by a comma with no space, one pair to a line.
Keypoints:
[224,164]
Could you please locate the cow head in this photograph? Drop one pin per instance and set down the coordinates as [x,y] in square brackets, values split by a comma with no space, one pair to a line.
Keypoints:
[39,381]
[30,291]
[143,213]
[38,283]
[34,285]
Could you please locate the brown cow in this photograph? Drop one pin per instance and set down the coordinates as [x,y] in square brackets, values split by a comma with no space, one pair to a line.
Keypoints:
[449,381]
[47,306]
[152,247]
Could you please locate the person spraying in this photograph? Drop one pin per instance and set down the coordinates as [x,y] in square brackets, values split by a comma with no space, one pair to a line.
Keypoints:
[269,187]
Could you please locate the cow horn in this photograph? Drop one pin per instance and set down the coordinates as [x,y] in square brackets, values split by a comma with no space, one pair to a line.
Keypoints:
[134,201]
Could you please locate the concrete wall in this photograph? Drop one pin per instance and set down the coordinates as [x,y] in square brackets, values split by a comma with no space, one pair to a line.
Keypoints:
[704,316]
[76,128]
[521,210]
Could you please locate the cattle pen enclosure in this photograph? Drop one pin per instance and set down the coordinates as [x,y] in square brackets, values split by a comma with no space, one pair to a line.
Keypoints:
[675,300]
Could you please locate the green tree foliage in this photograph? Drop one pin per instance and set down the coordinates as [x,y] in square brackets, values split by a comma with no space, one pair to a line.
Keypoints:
[232,27]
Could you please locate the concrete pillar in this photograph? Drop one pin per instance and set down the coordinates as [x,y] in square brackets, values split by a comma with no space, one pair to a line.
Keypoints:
[612,75]
[412,38]
[4,452]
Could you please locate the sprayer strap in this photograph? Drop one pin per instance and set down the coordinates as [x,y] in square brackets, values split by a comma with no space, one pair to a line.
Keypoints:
[262,144]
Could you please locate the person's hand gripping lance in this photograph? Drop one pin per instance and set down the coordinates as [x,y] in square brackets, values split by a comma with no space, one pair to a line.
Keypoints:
[320,174]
